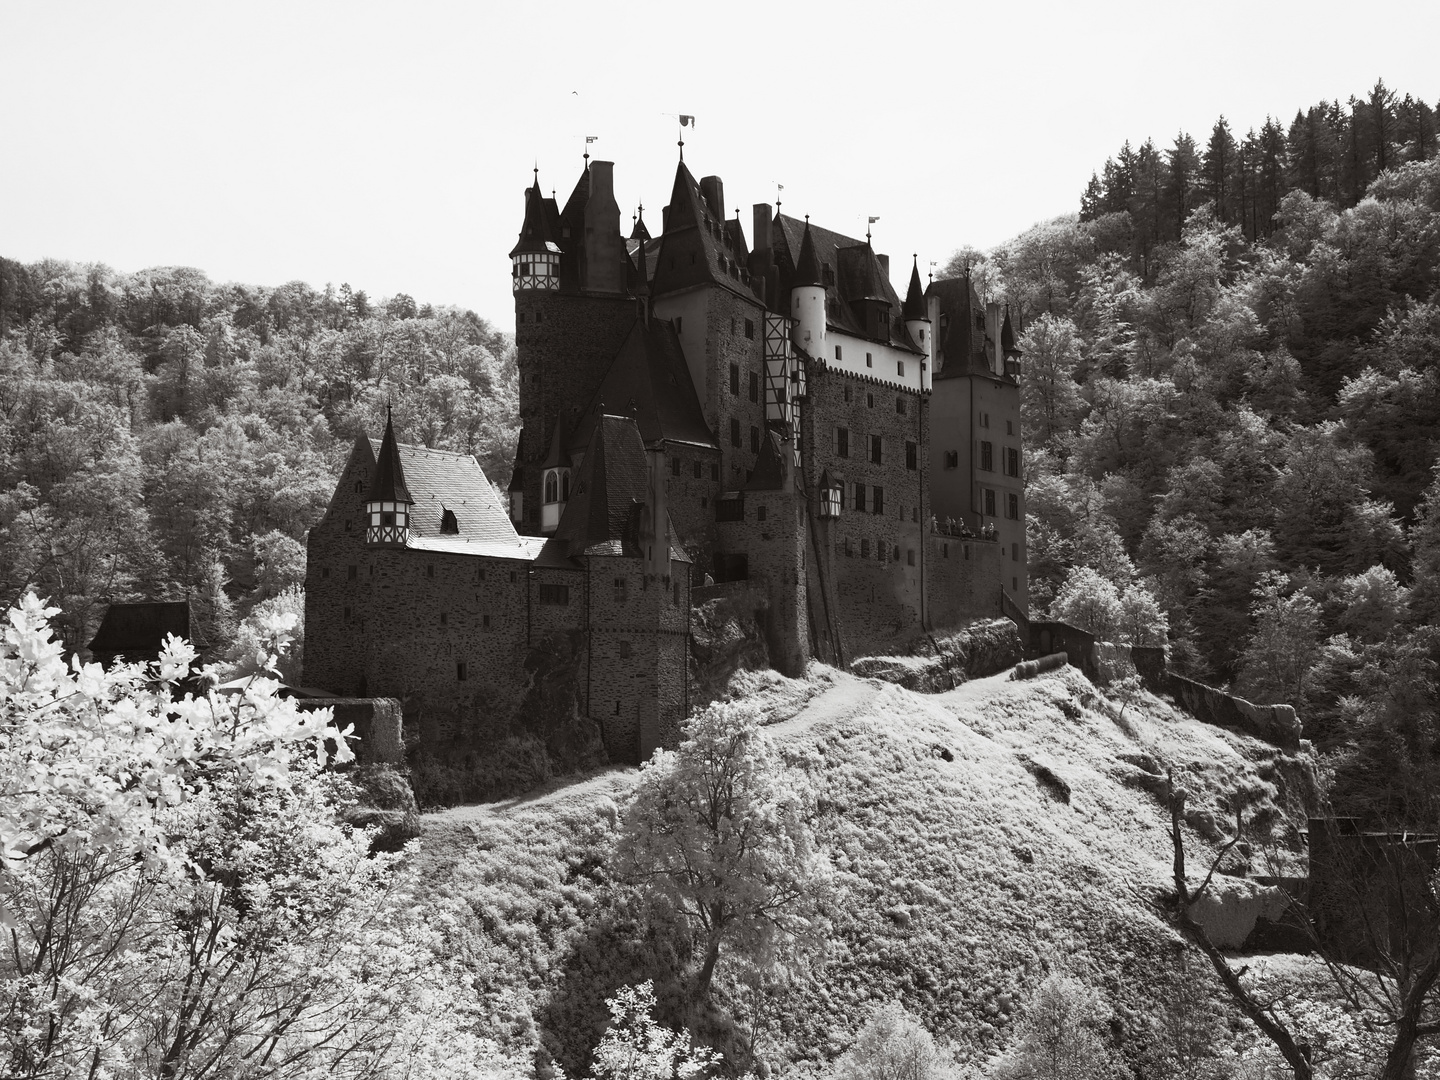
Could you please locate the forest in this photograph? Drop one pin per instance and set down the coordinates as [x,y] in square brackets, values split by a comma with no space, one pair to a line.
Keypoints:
[167,437]
[1231,403]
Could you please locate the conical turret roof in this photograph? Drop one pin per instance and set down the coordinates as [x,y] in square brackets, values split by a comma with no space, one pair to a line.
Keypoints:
[914,306]
[535,232]
[807,265]
[389,482]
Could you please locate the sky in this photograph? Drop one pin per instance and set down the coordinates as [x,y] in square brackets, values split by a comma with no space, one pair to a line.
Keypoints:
[388,145]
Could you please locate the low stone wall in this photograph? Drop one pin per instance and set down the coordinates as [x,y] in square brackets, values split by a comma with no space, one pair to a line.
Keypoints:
[1275,724]
[377,722]
[1233,908]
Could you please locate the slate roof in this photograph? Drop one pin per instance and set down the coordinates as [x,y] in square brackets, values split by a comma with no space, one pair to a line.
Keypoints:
[538,232]
[649,381]
[856,274]
[439,480]
[769,471]
[915,298]
[696,245]
[961,332]
[607,498]
[388,484]
[139,630]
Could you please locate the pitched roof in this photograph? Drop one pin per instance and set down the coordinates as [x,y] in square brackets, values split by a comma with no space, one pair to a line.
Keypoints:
[388,484]
[607,498]
[649,381]
[960,337]
[855,274]
[769,471]
[695,246]
[439,480]
[807,264]
[138,629]
[1007,336]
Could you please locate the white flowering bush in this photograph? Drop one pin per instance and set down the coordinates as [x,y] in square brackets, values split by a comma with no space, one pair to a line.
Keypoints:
[180,898]
[636,1047]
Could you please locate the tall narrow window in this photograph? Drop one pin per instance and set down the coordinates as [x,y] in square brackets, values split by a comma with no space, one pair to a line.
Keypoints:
[754,386]
[842,442]
[860,497]
[912,455]
[735,378]
[877,450]
[987,456]
[1012,506]
[989,502]
[877,505]
[734,431]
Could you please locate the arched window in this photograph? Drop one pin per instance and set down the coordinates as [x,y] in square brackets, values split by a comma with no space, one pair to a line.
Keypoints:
[552,486]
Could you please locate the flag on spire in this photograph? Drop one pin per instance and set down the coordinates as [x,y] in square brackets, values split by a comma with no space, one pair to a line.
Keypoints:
[687,121]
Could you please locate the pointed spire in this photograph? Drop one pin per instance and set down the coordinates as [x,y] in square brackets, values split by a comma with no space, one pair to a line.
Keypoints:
[640,232]
[389,482]
[807,266]
[914,307]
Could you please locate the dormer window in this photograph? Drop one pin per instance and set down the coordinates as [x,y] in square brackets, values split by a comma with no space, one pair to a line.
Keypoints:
[448,522]
[556,489]
[389,522]
[536,270]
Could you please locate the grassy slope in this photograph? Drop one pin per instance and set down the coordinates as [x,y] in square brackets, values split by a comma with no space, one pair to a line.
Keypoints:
[959,881]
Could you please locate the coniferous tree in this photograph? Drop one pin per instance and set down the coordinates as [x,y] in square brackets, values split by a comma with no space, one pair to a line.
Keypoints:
[1092,199]
[1272,171]
[1216,170]
[1145,205]
[1380,114]
[1182,182]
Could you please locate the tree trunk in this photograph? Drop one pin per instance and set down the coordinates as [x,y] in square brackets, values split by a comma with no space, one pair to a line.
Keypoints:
[707,969]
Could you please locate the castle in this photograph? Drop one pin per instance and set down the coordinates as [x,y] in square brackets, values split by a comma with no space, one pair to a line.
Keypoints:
[700,418]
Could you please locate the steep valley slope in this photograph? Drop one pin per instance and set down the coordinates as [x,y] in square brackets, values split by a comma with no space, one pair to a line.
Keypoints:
[979,839]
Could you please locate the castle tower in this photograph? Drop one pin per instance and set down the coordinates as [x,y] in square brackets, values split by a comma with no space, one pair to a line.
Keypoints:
[807,299]
[387,506]
[917,323]
[535,258]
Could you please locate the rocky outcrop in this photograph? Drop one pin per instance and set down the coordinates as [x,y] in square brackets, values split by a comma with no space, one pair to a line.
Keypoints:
[983,648]
[725,636]
[385,803]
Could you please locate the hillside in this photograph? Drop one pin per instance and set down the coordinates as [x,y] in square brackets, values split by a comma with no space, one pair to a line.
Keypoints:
[979,839]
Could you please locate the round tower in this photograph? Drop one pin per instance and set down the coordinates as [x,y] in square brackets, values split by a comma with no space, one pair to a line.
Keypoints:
[807,299]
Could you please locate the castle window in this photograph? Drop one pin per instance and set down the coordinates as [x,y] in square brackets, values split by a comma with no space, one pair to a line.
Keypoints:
[750,329]
[699,470]
[915,514]
[732,324]
[877,450]
[877,503]
[359,485]
[860,497]
[987,456]
[347,524]
[1009,427]
[869,360]
[849,548]
[730,509]
[899,367]
[624,650]
[448,522]
[552,486]
[909,556]
[754,386]
[479,573]
[537,317]
[912,455]
[444,618]
[837,352]
[325,573]
[460,671]
[1012,506]
[352,572]
[554,594]
[760,513]
[989,502]
[675,595]
[830,501]
[675,466]
[754,439]
[619,590]
[864,547]
[735,431]
[429,570]
[952,459]
[899,406]
[1015,584]
[869,401]
[735,379]
[896,555]
[617,708]
[512,577]
[1012,461]
[485,622]
[347,613]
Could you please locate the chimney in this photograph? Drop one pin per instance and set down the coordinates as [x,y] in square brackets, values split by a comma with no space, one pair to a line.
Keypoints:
[713,188]
[604,246]
[762,257]
[993,357]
